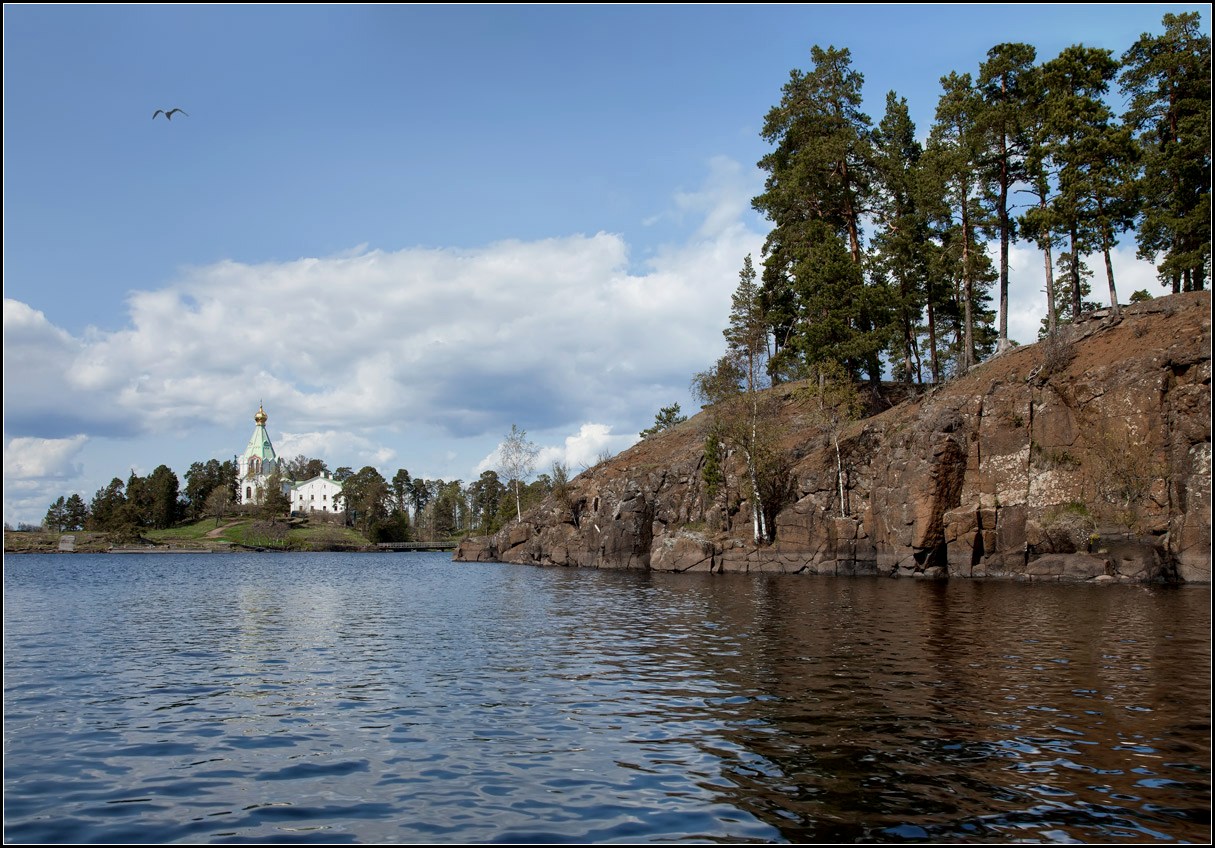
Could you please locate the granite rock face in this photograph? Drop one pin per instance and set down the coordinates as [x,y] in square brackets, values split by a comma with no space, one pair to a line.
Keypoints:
[1085,459]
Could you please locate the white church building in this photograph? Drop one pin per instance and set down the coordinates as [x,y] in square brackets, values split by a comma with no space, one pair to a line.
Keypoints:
[258,462]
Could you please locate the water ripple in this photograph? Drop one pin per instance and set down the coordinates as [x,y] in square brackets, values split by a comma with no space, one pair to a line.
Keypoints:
[374,698]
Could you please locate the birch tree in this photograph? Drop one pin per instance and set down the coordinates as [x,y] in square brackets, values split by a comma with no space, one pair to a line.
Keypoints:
[517,460]
[744,416]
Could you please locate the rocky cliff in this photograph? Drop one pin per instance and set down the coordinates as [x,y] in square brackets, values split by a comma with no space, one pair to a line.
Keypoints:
[1087,459]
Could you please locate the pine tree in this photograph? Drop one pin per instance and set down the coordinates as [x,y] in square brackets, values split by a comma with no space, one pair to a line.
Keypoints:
[55,516]
[75,513]
[1039,222]
[401,486]
[954,150]
[1168,80]
[161,493]
[747,332]
[107,505]
[902,243]
[743,416]
[666,418]
[1004,85]
[746,342]
[1091,158]
[817,191]
[274,503]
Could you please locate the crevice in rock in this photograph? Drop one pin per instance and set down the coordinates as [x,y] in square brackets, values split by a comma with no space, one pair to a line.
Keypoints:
[977,551]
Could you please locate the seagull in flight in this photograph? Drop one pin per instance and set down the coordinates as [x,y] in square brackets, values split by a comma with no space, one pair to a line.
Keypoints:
[168,115]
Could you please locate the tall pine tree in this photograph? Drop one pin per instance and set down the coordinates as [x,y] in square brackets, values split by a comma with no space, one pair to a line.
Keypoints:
[954,152]
[1168,80]
[902,246]
[816,193]
[1092,159]
[1005,86]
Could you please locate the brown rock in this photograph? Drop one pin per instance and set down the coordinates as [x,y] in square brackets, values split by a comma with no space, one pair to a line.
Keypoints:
[1006,471]
[1068,567]
[682,552]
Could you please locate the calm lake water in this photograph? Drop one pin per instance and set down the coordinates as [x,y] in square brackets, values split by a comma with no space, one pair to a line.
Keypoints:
[406,698]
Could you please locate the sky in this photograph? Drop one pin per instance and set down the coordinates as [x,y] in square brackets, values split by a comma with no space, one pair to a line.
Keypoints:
[404,229]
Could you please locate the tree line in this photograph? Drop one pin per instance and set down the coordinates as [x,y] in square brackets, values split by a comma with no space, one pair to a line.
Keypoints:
[403,508]
[877,255]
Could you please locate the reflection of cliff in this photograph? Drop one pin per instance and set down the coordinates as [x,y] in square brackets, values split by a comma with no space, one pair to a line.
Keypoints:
[836,710]
[1086,459]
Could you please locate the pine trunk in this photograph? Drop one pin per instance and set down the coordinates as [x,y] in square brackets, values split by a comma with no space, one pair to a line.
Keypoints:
[1109,274]
[968,341]
[1052,315]
[1075,277]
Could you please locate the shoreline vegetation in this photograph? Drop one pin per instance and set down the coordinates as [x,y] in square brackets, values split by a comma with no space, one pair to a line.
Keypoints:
[243,534]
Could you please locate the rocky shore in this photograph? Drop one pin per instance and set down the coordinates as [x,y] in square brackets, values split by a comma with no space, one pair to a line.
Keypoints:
[1084,459]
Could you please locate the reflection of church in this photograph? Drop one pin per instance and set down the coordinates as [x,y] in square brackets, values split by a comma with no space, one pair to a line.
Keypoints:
[259,461]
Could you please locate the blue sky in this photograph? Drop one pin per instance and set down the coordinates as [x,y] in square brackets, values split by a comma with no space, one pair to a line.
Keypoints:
[406,228]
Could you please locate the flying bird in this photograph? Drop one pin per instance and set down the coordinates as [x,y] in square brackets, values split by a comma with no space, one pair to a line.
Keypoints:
[168,115]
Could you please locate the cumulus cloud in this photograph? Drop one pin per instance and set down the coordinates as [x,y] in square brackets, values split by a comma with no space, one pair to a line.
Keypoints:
[373,357]
[35,472]
[577,451]
[585,448]
[39,399]
[723,201]
[548,331]
[333,443]
[43,458]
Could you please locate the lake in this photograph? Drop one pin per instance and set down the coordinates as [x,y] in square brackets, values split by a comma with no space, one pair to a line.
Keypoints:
[406,698]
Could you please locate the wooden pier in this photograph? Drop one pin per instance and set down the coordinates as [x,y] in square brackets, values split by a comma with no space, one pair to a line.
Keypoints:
[417,546]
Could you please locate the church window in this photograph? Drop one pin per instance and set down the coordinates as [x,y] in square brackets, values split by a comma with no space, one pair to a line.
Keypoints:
[248,492]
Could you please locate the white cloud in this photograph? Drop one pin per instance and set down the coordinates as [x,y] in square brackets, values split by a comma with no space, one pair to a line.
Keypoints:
[584,448]
[43,458]
[334,446]
[723,201]
[549,331]
[35,474]
[374,357]
[577,451]
[1027,284]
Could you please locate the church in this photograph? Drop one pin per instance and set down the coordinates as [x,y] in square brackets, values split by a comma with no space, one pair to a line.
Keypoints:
[254,467]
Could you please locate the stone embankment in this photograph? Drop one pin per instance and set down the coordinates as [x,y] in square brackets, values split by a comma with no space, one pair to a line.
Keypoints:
[1084,459]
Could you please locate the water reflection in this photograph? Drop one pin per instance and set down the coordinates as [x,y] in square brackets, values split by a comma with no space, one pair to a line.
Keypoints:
[871,710]
[405,698]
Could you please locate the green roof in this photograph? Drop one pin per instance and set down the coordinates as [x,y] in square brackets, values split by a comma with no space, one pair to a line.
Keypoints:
[259,444]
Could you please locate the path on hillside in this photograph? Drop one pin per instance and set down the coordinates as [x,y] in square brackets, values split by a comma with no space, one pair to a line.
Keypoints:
[215,534]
